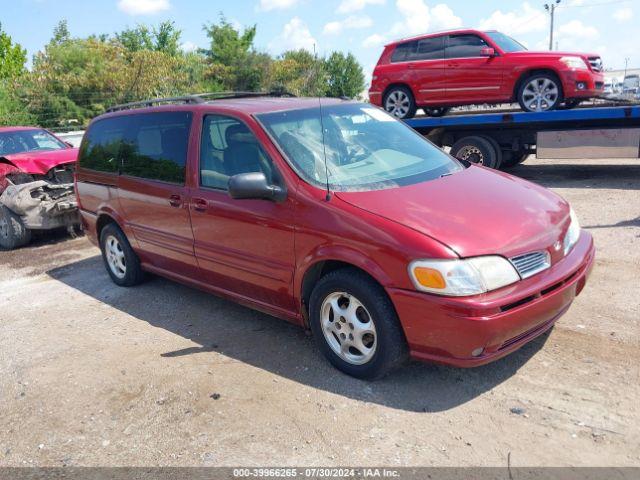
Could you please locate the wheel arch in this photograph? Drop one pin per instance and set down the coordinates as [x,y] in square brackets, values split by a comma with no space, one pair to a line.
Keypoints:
[397,84]
[314,271]
[534,71]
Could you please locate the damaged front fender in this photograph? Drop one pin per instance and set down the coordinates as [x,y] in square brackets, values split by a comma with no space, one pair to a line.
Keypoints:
[42,205]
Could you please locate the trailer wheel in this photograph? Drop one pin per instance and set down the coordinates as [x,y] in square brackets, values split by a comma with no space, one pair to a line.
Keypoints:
[13,233]
[511,158]
[477,150]
[497,148]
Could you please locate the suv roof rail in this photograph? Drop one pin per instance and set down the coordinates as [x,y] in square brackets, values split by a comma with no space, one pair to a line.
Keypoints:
[197,98]
[229,95]
[155,101]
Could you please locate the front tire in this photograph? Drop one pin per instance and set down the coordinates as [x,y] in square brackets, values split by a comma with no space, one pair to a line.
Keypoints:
[355,325]
[541,92]
[399,102]
[13,233]
[121,262]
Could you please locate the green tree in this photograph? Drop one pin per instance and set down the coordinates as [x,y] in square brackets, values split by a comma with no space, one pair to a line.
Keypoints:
[12,57]
[135,39]
[163,38]
[298,72]
[344,76]
[233,61]
[61,33]
[167,38]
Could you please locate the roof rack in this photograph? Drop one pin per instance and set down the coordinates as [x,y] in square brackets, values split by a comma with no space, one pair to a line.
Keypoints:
[155,101]
[229,95]
[197,98]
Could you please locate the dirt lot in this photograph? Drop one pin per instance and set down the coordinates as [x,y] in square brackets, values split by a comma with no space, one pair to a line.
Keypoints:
[93,374]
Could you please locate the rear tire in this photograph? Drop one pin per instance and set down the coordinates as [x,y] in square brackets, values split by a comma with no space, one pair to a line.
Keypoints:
[540,92]
[477,150]
[13,233]
[120,260]
[436,111]
[399,102]
[355,325]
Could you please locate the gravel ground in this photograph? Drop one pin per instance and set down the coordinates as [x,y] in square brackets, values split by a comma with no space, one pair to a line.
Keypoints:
[92,374]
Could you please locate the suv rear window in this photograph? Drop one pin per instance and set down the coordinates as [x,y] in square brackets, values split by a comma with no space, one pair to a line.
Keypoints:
[149,145]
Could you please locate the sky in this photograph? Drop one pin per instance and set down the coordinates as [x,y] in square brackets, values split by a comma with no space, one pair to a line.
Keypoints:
[608,27]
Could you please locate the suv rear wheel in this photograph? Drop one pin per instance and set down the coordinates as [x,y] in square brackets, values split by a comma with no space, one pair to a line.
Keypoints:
[121,262]
[540,93]
[355,325]
[399,102]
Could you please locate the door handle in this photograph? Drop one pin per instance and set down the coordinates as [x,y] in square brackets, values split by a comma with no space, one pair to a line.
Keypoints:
[175,200]
[453,65]
[200,204]
[411,66]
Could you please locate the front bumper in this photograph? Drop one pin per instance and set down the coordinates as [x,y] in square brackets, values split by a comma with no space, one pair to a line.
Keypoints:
[42,205]
[592,82]
[447,329]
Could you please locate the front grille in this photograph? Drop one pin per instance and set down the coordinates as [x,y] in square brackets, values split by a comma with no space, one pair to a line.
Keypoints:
[531,263]
[596,64]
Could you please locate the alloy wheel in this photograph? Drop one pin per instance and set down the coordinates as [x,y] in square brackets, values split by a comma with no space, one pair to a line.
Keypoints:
[115,256]
[348,328]
[397,104]
[540,94]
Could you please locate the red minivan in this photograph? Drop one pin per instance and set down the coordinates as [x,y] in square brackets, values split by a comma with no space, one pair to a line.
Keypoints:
[462,67]
[335,216]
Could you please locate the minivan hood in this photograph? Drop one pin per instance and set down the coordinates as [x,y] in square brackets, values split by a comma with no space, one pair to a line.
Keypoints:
[41,161]
[474,212]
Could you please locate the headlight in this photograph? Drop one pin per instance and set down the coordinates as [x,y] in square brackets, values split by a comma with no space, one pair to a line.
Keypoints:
[575,62]
[573,233]
[470,276]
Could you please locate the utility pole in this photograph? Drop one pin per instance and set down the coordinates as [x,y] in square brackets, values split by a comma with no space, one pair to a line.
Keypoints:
[551,8]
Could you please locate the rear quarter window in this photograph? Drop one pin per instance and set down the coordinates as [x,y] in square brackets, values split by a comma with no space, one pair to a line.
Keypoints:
[101,146]
[403,52]
[151,146]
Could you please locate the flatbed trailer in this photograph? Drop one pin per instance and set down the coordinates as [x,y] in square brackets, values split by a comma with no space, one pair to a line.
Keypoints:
[502,140]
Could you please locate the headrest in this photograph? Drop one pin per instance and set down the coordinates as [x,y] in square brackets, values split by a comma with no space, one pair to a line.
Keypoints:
[238,134]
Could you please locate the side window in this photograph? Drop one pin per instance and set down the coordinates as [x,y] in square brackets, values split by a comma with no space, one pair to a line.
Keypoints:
[155,146]
[464,46]
[100,148]
[403,52]
[429,49]
[228,148]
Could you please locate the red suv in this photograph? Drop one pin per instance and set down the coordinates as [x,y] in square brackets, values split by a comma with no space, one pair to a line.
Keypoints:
[462,67]
[337,217]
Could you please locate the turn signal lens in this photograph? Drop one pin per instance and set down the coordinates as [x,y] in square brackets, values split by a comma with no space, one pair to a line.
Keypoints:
[429,277]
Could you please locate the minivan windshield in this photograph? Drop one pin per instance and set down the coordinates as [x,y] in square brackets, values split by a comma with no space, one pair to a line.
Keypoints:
[365,148]
[506,43]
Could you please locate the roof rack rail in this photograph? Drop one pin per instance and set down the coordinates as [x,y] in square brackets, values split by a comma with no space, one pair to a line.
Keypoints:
[229,95]
[155,101]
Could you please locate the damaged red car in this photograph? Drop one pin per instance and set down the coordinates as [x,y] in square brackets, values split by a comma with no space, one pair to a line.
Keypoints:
[36,184]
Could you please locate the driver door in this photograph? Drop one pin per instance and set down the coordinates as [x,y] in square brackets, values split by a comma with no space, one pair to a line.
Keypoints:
[243,247]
